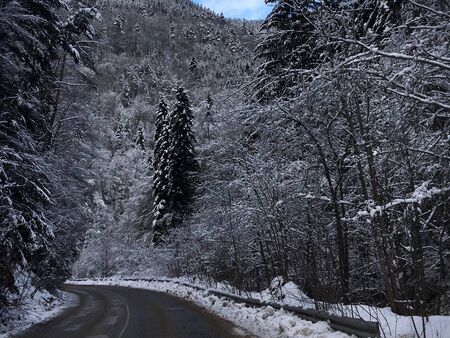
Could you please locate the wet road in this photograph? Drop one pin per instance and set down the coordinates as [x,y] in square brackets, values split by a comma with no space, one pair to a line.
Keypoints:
[108,311]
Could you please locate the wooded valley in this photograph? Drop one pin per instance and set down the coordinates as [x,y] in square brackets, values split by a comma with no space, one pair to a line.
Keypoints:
[156,137]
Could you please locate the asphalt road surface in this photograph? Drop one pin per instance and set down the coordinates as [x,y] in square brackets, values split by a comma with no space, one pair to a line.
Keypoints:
[118,312]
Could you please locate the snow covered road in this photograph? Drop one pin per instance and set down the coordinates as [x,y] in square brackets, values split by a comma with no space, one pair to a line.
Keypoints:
[109,311]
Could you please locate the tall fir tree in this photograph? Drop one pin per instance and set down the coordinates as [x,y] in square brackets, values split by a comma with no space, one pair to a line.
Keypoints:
[209,115]
[161,172]
[182,161]
[288,45]
[140,137]
[31,39]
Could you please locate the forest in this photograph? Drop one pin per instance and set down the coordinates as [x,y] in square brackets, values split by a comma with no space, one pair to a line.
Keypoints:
[158,138]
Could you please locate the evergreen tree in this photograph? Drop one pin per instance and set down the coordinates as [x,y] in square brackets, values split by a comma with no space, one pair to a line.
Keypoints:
[174,165]
[25,234]
[193,67]
[140,138]
[126,96]
[31,35]
[161,174]
[375,16]
[182,162]
[208,114]
[290,44]
[294,44]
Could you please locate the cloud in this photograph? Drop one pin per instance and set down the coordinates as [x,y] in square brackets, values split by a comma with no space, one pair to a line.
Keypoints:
[248,9]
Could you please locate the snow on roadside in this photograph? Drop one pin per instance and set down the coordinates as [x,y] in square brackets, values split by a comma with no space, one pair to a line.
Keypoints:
[391,324]
[263,322]
[284,293]
[42,307]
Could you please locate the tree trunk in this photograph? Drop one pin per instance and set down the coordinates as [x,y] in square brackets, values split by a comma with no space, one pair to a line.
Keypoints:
[379,222]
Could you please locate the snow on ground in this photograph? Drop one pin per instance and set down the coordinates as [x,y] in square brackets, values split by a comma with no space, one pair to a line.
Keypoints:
[391,324]
[41,307]
[263,322]
[284,293]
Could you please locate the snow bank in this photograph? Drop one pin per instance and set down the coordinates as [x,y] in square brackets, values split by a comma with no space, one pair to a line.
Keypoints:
[284,293]
[263,322]
[43,306]
[395,326]
[391,324]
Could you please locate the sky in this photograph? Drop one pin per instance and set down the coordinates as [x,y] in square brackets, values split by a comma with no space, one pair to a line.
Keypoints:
[244,9]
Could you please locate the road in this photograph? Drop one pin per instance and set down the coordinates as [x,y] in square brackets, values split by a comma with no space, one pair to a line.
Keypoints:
[118,312]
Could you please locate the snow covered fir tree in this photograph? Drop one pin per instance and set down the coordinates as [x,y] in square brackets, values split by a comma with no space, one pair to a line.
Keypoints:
[34,38]
[161,172]
[175,165]
[303,158]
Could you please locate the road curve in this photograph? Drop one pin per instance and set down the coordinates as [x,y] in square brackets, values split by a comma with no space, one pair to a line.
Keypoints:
[118,312]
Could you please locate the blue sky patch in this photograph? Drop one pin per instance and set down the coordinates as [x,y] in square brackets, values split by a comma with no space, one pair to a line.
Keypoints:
[243,9]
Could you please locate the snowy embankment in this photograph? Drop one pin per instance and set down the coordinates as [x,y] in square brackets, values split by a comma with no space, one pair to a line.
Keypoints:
[263,322]
[37,309]
[391,324]
[268,322]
